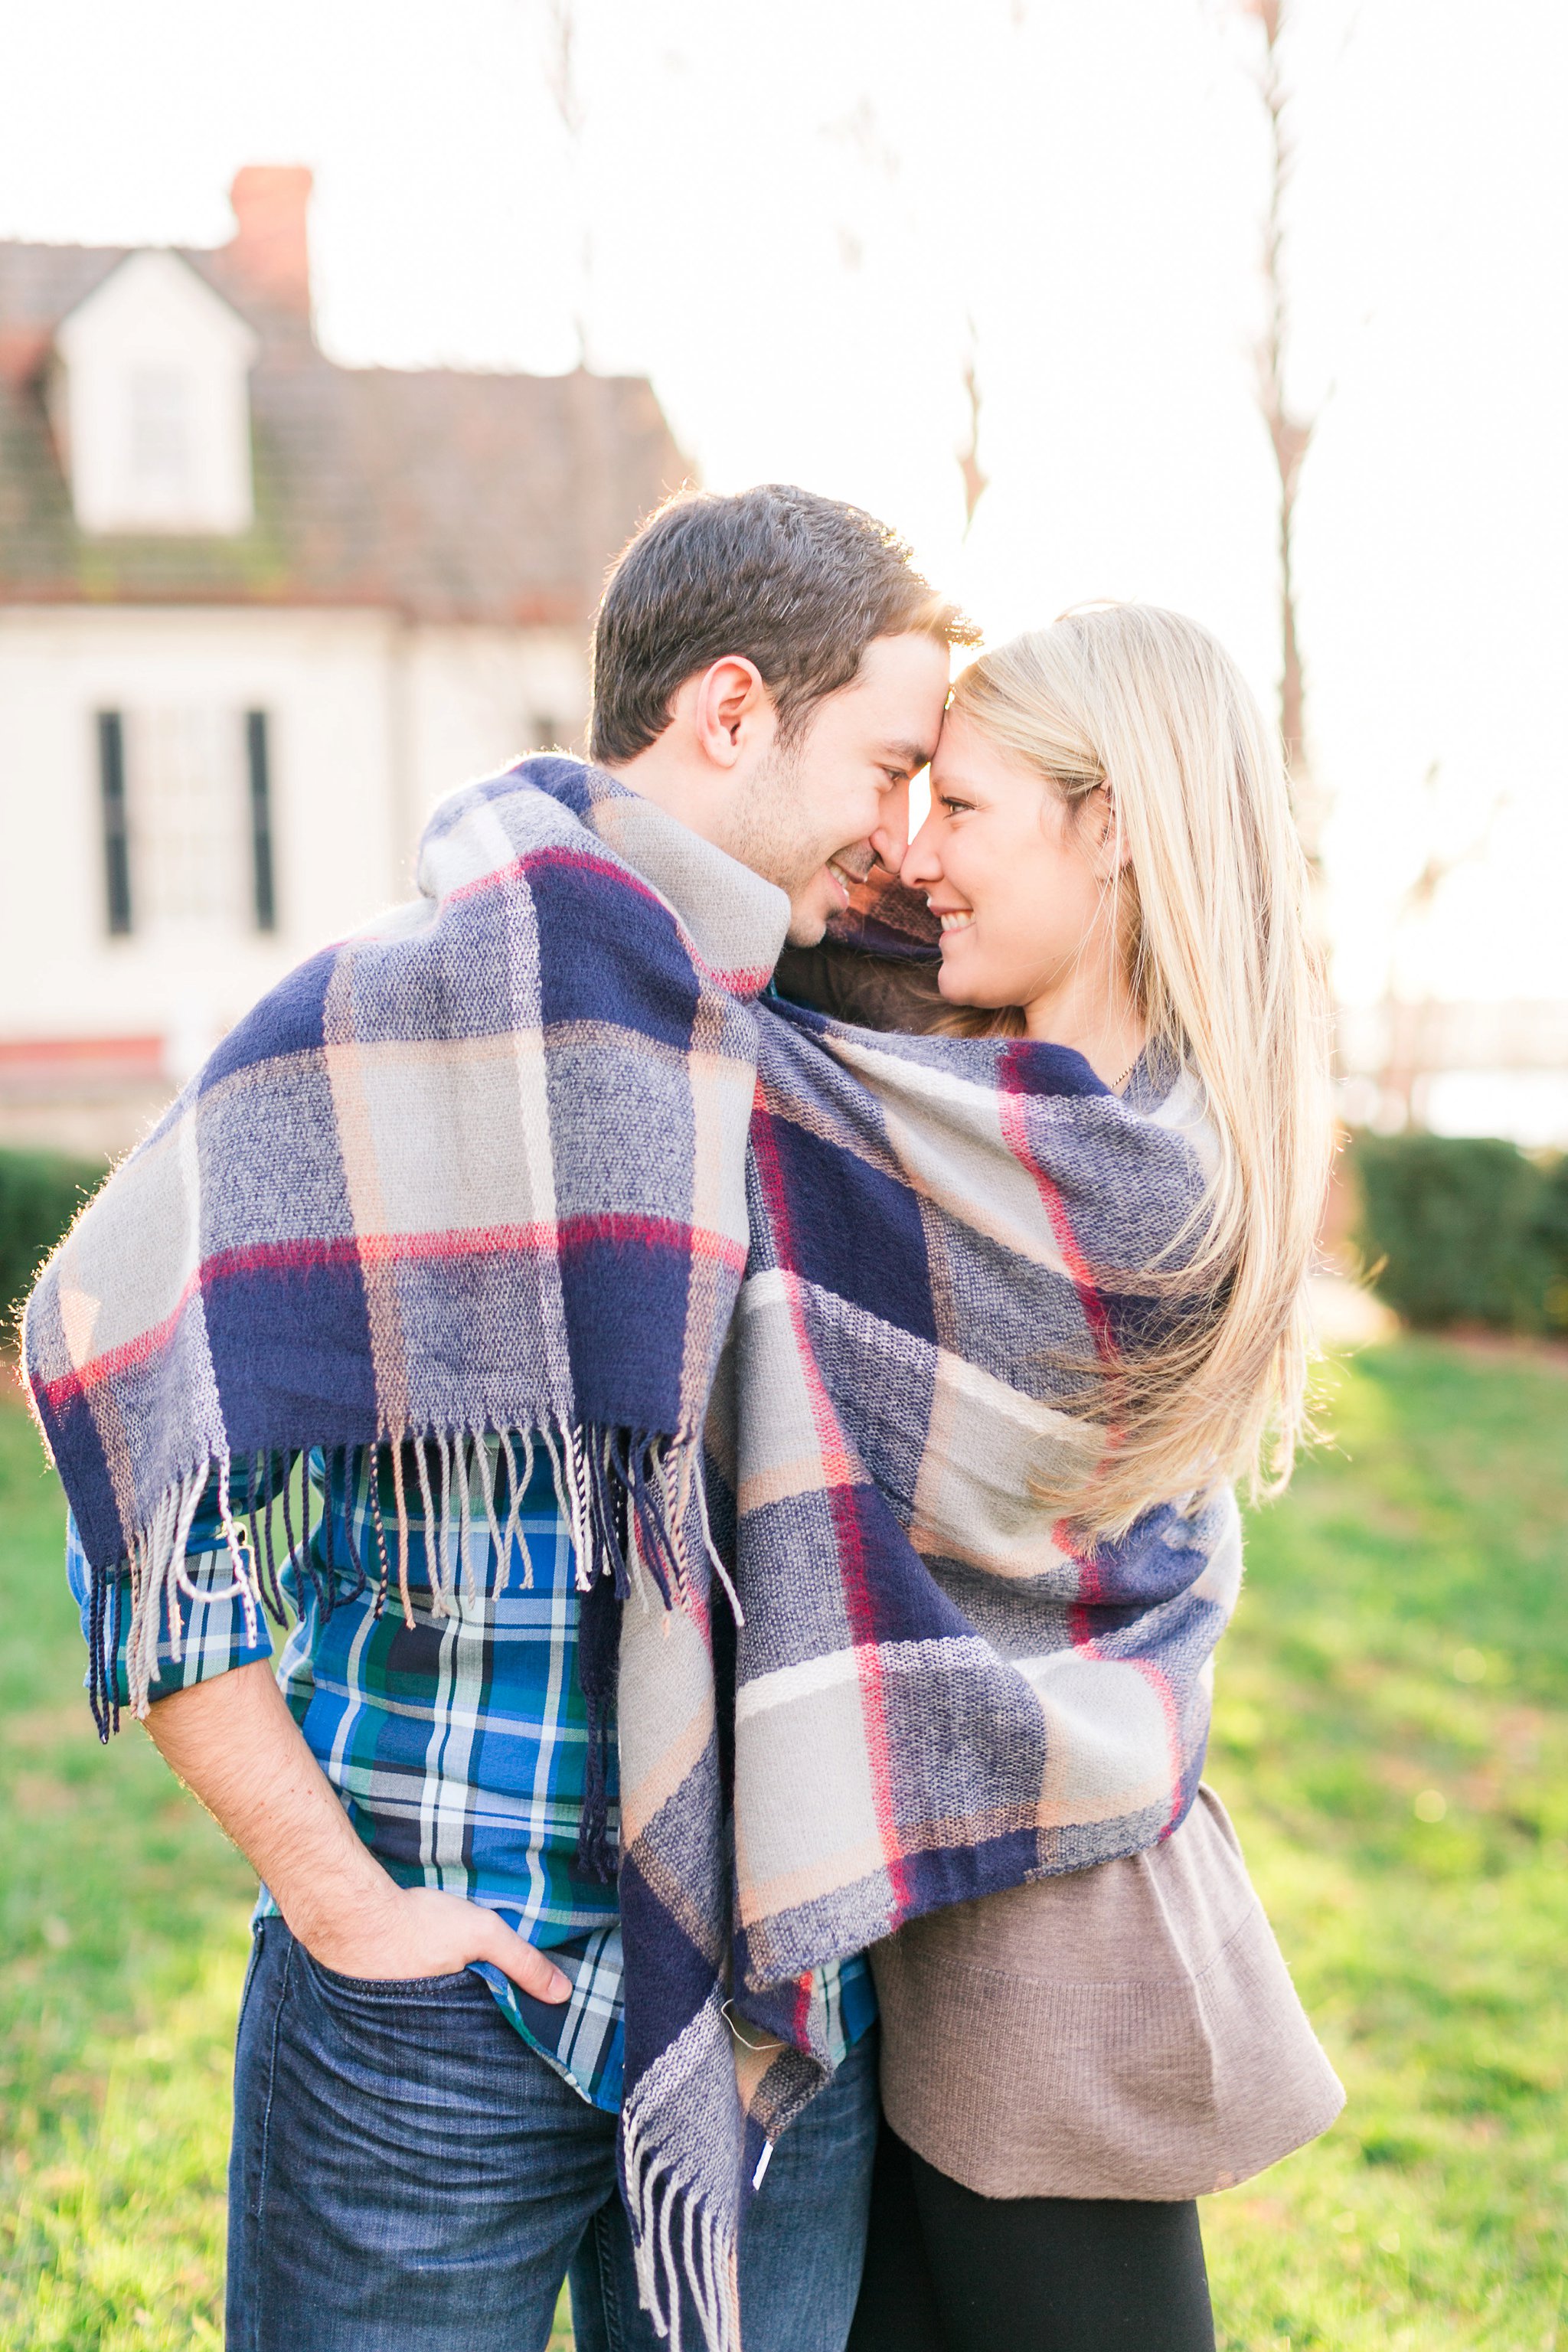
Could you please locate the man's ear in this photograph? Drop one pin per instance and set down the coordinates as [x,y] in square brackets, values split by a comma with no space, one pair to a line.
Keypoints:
[729,706]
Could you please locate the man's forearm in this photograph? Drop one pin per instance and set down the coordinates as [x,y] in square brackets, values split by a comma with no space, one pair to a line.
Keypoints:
[233,1742]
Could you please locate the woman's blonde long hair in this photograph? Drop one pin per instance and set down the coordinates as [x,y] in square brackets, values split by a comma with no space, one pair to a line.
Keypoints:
[1214,925]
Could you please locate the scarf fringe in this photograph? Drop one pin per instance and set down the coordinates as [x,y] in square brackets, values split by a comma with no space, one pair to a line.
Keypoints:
[155,1574]
[626,1496]
[707,2259]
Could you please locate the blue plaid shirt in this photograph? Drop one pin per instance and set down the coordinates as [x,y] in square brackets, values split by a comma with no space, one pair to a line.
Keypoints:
[458,1744]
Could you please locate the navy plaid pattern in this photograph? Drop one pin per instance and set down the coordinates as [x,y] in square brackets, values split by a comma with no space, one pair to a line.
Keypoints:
[458,1744]
[527,1158]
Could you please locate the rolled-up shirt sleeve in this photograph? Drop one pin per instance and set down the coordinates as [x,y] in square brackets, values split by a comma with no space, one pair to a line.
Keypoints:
[215,1634]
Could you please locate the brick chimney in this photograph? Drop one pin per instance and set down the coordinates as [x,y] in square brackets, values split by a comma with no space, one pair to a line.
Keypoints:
[270,249]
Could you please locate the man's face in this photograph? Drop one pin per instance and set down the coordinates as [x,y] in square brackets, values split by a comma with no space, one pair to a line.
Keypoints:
[819,811]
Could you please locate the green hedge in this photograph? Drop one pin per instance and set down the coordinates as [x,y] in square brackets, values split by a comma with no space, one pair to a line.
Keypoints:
[1465,1229]
[40,1192]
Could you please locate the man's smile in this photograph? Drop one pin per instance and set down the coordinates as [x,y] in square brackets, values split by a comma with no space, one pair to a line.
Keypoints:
[845,875]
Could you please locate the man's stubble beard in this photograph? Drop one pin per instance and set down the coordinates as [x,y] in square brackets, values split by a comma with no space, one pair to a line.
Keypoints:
[764,832]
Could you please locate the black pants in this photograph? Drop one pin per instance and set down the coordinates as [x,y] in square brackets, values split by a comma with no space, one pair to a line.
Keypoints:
[947,2270]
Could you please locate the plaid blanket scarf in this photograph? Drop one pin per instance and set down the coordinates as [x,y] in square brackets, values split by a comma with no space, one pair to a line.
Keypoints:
[860,1673]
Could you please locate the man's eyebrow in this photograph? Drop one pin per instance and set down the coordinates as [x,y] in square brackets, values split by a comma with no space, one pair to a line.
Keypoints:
[913,756]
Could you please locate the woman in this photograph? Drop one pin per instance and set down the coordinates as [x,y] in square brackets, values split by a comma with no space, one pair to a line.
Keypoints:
[1067,2064]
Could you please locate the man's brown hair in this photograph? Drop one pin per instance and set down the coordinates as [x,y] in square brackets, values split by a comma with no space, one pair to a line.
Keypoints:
[797,584]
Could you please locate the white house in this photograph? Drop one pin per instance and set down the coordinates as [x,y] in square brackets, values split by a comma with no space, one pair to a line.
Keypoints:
[257,612]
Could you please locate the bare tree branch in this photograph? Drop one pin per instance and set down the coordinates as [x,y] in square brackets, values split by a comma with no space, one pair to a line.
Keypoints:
[561,74]
[1289,433]
[861,130]
[561,68]
[976,481]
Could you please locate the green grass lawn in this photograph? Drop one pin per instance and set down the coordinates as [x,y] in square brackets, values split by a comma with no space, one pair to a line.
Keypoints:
[1392,1733]
[1392,1738]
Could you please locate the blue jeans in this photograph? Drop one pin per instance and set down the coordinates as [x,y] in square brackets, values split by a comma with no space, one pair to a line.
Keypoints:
[409,2176]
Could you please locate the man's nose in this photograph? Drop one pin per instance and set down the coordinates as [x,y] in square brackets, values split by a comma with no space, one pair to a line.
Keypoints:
[891,838]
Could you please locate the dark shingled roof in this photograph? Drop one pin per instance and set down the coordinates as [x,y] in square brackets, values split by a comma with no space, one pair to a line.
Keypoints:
[446,496]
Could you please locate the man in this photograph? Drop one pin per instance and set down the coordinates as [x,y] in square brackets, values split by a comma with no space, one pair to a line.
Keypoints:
[430,2048]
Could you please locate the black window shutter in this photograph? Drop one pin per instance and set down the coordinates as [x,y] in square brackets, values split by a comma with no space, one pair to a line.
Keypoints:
[116,826]
[259,763]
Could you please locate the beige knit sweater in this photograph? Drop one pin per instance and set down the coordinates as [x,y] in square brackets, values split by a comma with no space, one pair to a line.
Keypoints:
[1130,2030]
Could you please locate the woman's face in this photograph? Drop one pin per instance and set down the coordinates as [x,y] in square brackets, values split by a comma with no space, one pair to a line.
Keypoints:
[1010,869]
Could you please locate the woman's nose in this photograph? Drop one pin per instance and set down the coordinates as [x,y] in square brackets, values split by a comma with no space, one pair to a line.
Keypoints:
[922,868]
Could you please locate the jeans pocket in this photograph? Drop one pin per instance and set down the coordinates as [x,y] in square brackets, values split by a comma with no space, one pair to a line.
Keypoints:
[459,1985]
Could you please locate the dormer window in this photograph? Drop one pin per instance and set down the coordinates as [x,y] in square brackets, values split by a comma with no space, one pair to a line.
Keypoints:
[160,420]
[151,402]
